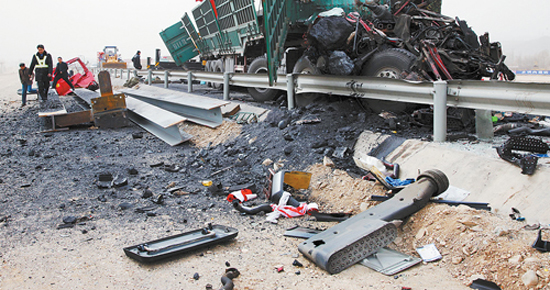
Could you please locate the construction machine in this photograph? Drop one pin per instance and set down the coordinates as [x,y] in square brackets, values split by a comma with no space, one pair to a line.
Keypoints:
[110,58]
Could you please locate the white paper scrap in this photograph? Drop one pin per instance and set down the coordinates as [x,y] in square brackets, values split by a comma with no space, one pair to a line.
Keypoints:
[429,253]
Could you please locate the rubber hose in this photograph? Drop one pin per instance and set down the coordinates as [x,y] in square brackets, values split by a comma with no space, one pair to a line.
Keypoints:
[252,210]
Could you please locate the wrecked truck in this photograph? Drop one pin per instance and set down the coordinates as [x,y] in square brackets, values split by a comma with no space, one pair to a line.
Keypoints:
[392,39]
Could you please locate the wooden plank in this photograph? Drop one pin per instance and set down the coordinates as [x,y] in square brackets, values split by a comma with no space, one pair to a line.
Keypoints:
[230,109]
[154,114]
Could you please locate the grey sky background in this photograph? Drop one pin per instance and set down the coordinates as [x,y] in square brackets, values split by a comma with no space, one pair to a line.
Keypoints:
[82,28]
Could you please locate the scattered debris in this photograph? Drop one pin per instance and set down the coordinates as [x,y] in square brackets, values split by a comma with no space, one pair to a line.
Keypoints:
[70,219]
[147,193]
[482,284]
[227,278]
[540,245]
[105,180]
[125,205]
[527,162]
[516,215]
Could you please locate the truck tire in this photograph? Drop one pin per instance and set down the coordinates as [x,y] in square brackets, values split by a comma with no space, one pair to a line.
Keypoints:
[389,63]
[217,66]
[304,66]
[259,66]
[208,68]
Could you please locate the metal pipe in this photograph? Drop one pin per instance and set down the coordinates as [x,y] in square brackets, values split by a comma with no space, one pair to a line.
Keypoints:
[290,91]
[440,111]
[226,77]
[166,75]
[190,82]
[150,77]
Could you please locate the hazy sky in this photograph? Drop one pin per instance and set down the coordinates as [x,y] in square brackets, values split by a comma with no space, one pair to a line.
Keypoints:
[82,28]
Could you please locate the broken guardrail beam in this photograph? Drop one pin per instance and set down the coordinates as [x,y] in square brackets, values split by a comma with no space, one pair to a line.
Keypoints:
[351,241]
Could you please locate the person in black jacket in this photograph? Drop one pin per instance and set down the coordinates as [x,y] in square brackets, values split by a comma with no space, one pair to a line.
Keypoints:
[136,60]
[26,76]
[42,60]
[61,72]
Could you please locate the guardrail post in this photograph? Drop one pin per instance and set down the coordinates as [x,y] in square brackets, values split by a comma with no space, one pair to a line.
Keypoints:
[226,76]
[290,91]
[166,75]
[189,82]
[484,125]
[440,111]
[150,77]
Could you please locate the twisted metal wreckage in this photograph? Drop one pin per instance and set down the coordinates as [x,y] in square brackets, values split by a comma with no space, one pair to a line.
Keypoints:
[410,43]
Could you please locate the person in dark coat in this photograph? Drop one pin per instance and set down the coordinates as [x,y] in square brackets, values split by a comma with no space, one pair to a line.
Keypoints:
[26,76]
[136,60]
[61,72]
[42,61]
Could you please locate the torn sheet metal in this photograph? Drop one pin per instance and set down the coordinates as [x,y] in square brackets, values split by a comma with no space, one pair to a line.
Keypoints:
[389,262]
[203,111]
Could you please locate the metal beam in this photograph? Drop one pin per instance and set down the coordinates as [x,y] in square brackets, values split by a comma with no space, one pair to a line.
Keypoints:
[157,121]
[200,110]
[170,135]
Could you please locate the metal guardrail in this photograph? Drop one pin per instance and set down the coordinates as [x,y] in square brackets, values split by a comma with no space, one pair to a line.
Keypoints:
[529,98]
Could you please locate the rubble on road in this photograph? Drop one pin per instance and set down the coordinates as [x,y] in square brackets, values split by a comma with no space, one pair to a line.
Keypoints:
[153,201]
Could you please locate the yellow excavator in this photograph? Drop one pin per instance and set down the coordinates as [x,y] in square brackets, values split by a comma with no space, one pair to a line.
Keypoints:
[109,58]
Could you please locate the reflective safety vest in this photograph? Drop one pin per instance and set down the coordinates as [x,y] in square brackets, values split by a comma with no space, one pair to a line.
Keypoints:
[41,63]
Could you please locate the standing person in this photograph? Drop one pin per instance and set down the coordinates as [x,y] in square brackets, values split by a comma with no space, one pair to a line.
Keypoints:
[61,72]
[25,75]
[136,60]
[42,60]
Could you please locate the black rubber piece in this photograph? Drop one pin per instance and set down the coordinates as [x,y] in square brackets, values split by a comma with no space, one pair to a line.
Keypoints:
[259,66]
[252,210]
[227,278]
[438,177]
